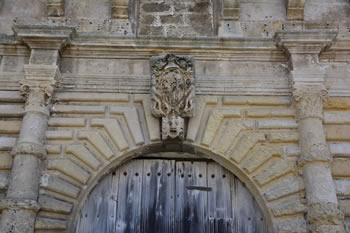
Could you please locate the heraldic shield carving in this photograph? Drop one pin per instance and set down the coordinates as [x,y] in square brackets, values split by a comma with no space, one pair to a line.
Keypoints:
[172,92]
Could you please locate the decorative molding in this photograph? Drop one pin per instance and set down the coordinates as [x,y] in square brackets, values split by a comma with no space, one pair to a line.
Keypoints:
[305,41]
[309,101]
[120,9]
[231,10]
[44,36]
[29,148]
[205,85]
[295,9]
[55,8]
[24,204]
[172,92]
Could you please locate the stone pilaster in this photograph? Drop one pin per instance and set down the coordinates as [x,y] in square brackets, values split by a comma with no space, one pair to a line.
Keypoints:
[20,207]
[307,79]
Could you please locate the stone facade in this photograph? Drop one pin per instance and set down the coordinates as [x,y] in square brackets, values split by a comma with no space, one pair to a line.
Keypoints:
[271,94]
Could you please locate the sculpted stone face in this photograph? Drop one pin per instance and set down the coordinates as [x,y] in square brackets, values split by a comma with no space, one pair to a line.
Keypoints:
[172,127]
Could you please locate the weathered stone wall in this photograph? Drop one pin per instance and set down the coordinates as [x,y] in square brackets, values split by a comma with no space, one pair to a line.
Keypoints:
[196,18]
[249,115]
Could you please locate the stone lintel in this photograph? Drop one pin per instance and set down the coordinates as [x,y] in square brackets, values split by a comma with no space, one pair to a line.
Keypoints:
[304,41]
[44,36]
[24,204]
[295,9]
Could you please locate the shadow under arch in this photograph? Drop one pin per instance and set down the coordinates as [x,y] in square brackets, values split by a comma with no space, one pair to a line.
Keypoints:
[184,147]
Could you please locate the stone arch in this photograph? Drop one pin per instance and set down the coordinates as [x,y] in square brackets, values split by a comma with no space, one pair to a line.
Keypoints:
[261,153]
[187,148]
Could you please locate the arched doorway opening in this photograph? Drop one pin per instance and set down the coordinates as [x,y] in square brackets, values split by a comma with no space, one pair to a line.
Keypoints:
[161,195]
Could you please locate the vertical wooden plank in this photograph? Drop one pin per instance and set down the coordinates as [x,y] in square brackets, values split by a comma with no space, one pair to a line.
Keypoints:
[158,196]
[95,211]
[248,214]
[129,198]
[113,201]
[191,199]
[219,199]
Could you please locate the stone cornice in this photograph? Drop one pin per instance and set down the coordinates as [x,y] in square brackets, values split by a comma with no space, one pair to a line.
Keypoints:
[44,36]
[305,41]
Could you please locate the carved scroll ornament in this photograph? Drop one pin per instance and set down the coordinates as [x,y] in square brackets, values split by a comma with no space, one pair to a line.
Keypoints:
[309,102]
[172,92]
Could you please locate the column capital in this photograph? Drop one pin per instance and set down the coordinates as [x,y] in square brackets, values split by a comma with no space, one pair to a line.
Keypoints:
[309,101]
[44,36]
[38,86]
[304,41]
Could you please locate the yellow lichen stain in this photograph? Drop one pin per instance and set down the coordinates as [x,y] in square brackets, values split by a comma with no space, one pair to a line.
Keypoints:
[277,26]
[338,103]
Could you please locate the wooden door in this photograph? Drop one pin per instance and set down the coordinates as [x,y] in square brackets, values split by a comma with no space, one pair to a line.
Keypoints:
[170,196]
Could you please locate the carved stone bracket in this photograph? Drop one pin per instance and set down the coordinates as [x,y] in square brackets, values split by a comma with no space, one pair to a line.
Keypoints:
[309,102]
[172,92]
[55,8]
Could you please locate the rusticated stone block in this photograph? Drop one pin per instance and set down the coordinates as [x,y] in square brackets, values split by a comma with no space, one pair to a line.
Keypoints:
[200,23]
[169,19]
[200,7]
[147,19]
[69,168]
[58,185]
[150,30]
[155,7]
[52,204]
[50,224]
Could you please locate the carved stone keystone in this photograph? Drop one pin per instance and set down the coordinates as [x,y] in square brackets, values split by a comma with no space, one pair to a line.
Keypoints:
[172,93]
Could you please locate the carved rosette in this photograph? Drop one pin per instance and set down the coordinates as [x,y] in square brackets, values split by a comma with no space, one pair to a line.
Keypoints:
[172,92]
[309,102]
